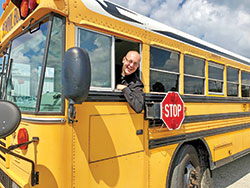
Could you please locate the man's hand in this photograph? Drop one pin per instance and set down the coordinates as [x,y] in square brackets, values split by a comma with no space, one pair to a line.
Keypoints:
[120,86]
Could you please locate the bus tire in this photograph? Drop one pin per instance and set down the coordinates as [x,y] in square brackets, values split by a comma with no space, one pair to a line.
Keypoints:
[206,179]
[186,170]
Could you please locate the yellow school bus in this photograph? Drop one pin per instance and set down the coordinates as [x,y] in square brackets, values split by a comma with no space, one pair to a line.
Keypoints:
[59,62]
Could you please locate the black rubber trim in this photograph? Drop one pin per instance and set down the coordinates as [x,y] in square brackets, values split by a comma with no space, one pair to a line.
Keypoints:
[192,136]
[230,159]
[110,96]
[197,99]
[212,117]
[202,118]
[105,96]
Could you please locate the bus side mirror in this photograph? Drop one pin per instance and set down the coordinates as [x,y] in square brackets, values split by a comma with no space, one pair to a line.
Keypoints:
[10,117]
[76,75]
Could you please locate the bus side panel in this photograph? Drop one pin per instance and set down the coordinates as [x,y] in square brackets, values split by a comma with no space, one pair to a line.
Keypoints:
[107,152]
[228,144]
[112,135]
[159,165]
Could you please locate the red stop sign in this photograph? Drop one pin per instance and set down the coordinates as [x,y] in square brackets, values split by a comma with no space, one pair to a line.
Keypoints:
[172,110]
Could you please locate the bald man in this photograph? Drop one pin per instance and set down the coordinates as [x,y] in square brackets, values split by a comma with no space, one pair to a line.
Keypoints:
[130,83]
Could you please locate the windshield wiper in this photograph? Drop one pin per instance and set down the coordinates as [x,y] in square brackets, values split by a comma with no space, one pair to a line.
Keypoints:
[7,78]
[2,72]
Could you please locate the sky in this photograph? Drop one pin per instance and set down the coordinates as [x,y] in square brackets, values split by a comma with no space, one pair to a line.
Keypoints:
[225,23]
[1,9]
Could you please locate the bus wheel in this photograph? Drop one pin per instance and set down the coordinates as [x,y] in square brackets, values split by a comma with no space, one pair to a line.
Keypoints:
[206,179]
[186,171]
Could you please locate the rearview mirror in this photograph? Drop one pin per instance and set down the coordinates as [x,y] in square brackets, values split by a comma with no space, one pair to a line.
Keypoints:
[10,117]
[76,74]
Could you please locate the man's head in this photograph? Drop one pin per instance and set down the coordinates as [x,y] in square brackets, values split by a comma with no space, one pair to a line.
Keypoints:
[130,62]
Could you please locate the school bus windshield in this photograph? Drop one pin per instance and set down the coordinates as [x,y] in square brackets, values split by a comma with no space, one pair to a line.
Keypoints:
[28,55]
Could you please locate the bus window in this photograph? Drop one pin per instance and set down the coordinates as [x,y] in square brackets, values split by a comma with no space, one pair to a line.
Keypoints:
[121,49]
[194,75]
[164,70]
[232,81]
[27,53]
[215,78]
[245,84]
[51,100]
[99,48]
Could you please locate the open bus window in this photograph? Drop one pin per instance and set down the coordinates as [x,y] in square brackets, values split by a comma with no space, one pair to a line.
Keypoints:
[99,47]
[194,75]
[51,100]
[164,70]
[122,47]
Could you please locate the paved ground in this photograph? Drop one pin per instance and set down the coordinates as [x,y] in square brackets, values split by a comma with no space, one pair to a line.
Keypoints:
[233,175]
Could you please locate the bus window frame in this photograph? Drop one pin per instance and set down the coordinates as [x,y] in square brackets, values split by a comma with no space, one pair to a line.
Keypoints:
[242,84]
[50,18]
[194,76]
[219,66]
[165,71]
[112,88]
[44,67]
[77,43]
[230,82]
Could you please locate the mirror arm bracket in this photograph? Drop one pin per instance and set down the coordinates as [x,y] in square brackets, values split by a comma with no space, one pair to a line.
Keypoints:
[71,112]
[34,139]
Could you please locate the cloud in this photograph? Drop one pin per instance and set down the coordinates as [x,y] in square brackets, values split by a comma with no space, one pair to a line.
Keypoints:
[224,23]
[215,23]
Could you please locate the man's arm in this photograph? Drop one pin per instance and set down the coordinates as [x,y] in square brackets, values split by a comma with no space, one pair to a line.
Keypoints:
[135,96]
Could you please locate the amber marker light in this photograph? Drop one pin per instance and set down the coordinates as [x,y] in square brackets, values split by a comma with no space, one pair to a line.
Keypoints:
[25,6]
[32,5]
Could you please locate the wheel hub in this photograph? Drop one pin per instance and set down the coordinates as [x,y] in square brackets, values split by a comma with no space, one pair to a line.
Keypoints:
[190,177]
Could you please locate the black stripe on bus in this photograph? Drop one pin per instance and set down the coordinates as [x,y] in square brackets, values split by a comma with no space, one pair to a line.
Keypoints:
[192,136]
[229,159]
[203,118]
[150,97]
[109,96]
[212,117]
[199,45]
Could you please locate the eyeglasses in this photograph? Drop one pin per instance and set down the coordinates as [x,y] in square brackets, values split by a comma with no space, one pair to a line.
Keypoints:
[131,61]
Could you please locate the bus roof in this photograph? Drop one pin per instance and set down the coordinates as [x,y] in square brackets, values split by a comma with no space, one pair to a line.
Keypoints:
[115,11]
